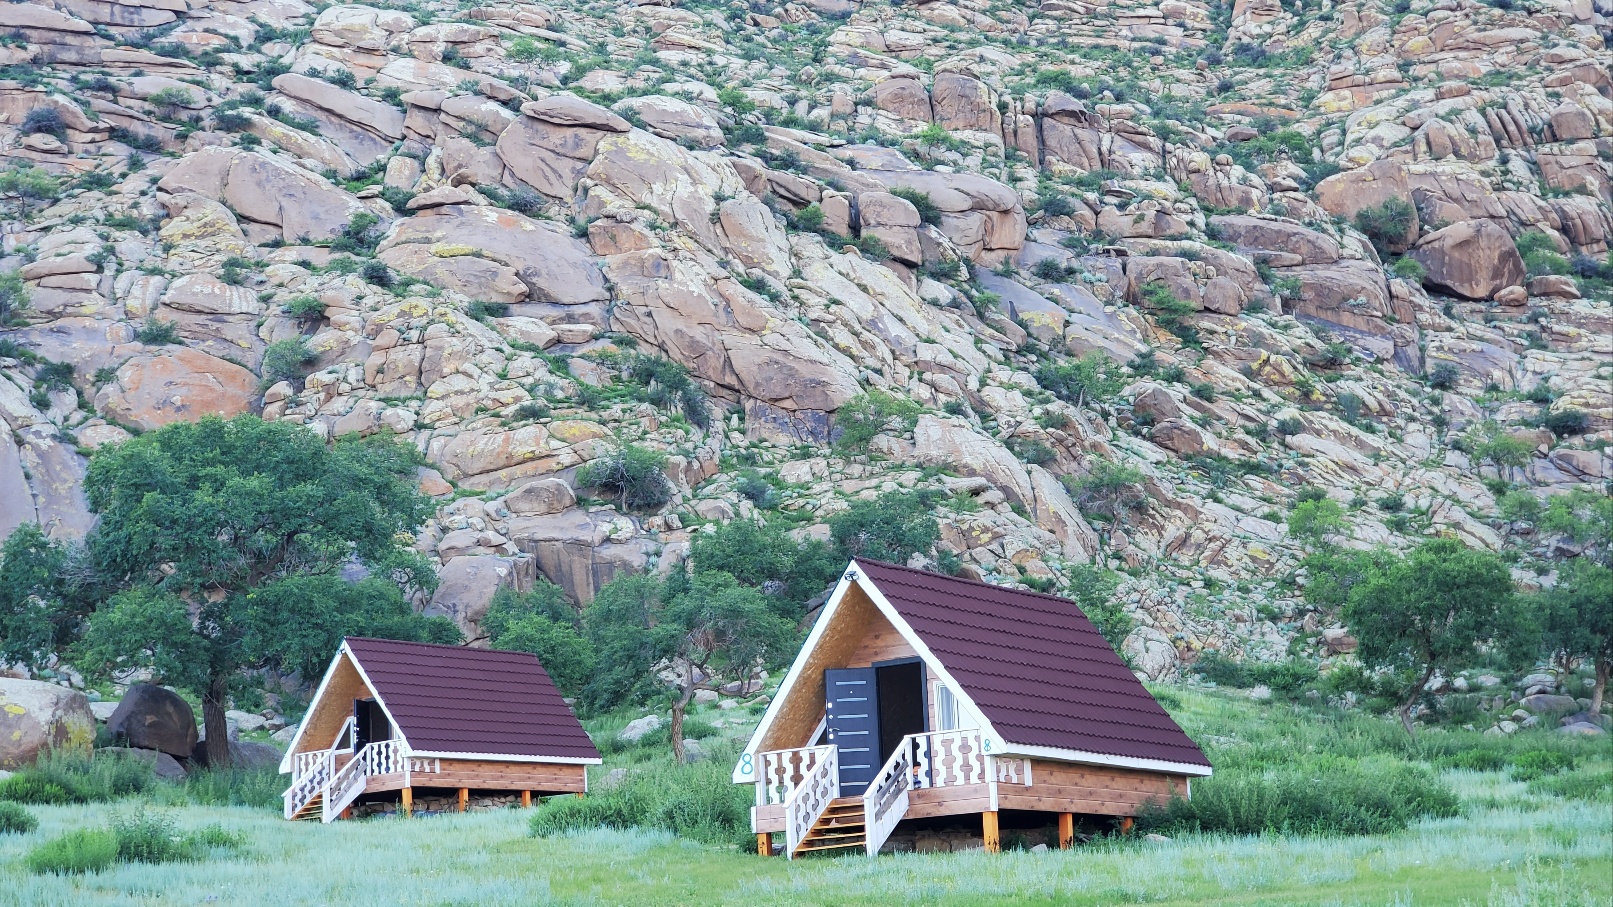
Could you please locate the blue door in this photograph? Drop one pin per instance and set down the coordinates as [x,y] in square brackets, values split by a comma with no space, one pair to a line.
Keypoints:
[853,724]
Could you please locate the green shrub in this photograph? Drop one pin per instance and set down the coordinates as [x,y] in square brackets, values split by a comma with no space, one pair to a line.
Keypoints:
[633,473]
[1540,255]
[1565,422]
[232,786]
[44,120]
[1443,376]
[1093,378]
[14,820]
[305,307]
[1387,225]
[1222,670]
[866,415]
[698,801]
[1409,269]
[73,778]
[1540,763]
[929,212]
[481,311]
[285,359]
[156,332]
[1292,676]
[80,851]
[1328,796]
[1596,786]
[810,218]
[148,837]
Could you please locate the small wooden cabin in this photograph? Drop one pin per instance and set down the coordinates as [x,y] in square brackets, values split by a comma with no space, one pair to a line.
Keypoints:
[919,696]
[393,720]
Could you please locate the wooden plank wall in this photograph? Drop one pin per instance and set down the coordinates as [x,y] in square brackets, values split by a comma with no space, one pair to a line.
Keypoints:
[802,709]
[326,715]
[492,775]
[1097,790]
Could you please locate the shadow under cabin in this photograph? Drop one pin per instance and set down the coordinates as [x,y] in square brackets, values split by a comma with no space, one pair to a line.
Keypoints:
[927,711]
[408,728]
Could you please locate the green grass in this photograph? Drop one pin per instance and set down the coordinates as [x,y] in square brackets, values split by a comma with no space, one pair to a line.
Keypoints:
[1543,841]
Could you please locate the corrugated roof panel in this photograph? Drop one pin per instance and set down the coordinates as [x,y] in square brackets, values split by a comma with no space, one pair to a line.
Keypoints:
[1035,665]
[462,700]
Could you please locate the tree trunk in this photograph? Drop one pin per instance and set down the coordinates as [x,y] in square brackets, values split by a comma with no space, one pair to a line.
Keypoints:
[1604,666]
[676,731]
[217,724]
[1416,693]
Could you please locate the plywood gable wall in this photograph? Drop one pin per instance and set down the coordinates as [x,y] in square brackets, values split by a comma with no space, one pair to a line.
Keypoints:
[859,636]
[334,706]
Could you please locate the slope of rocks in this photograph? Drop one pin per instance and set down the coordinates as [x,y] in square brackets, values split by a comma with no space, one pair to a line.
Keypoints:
[454,209]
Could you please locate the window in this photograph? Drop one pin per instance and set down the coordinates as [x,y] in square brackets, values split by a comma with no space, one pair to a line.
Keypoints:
[946,708]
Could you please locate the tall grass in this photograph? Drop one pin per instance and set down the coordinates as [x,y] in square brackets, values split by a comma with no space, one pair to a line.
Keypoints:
[698,801]
[60,778]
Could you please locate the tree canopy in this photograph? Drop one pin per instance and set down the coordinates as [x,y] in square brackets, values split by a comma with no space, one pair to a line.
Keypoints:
[221,545]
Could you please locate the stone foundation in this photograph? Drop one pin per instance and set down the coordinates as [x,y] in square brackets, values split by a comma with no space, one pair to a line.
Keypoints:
[425,806]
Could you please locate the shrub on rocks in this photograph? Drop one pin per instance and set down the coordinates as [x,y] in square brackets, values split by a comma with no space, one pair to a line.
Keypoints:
[15,820]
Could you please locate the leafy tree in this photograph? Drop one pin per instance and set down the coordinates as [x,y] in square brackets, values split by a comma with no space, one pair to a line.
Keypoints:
[1582,522]
[1431,610]
[1316,521]
[633,473]
[45,591]
[542,622]
[1092,588]
[1578,620]
[285,359]
[29,184]
[867,415]
[892,527]
[13,298]
[706,630]
[765,556]
[1387,225]
[213,531]
[1110,490]
[1092,378]
[1491,443]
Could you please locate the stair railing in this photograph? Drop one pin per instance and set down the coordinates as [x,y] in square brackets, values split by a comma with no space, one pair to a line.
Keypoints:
[885,802]
[311,773]
[808,801]
[379,758]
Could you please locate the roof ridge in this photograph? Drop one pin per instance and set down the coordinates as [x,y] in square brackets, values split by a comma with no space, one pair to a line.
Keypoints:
[945,577]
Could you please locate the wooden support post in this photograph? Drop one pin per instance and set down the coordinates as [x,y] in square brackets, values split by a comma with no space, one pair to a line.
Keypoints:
[1125,825]
[347,812]
[526,799]
[408,802]
[764,844]
[990,835]
[1066,830]
[464,798]
[580,795]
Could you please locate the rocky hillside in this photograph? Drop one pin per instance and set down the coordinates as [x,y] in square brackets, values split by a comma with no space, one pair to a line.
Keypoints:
[1121,279]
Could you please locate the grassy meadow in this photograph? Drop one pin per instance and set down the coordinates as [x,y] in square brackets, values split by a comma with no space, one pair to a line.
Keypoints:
[1497,825]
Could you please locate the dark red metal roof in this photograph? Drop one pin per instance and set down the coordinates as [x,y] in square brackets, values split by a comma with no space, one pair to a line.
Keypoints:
[453,699]
[1035,665]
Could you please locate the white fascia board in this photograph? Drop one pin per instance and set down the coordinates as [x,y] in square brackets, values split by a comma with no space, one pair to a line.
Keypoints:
[319,692]
[745,768]
[991,741]
[505,757]
[396,728]
[1058,754]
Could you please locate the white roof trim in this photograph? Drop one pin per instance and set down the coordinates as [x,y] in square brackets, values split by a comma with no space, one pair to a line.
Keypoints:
[967,707]
[506,757]
[285,761]
[1087,758]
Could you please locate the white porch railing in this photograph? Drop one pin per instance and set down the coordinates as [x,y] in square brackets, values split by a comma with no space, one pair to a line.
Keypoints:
[948,758]
[316,773]
[784,770]
[885,802]
[808,800]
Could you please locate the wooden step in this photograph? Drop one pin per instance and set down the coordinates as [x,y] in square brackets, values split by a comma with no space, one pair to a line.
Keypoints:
[837,845]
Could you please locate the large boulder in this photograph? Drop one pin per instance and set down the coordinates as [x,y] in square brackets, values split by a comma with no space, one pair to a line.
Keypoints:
[674,118]
[1347,194]
[1474,259]
[902,95]
[465,589]
[164,766]
[1284,238]
[36,717]
[265,190]
[175,385]
[153,718]
[983,217]
[550,147]
[490,253]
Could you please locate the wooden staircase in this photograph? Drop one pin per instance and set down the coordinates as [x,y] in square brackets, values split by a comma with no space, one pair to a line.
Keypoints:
[842,826]
[313,810]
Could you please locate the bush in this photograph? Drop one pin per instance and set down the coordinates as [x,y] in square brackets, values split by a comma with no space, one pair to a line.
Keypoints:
[1387,225]
[44,120]
[232,786]
[1595,786]
[1566,422]
[80,851]
[14,820]
[1540,255]
[360,236]
[1443,376]
[866,415]
[1409,269]
[148,837]
[633,473]
[892,527]
[1330,796]
[62,778]
[1093,378]
[698,801]
[1540,763]
[305,307]
[377,273]
[482,311]
[1222,670]
[929,212]
[285,359]
[156,332]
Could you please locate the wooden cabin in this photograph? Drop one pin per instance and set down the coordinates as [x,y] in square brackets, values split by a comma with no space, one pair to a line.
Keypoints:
[393,722]
[919,697]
